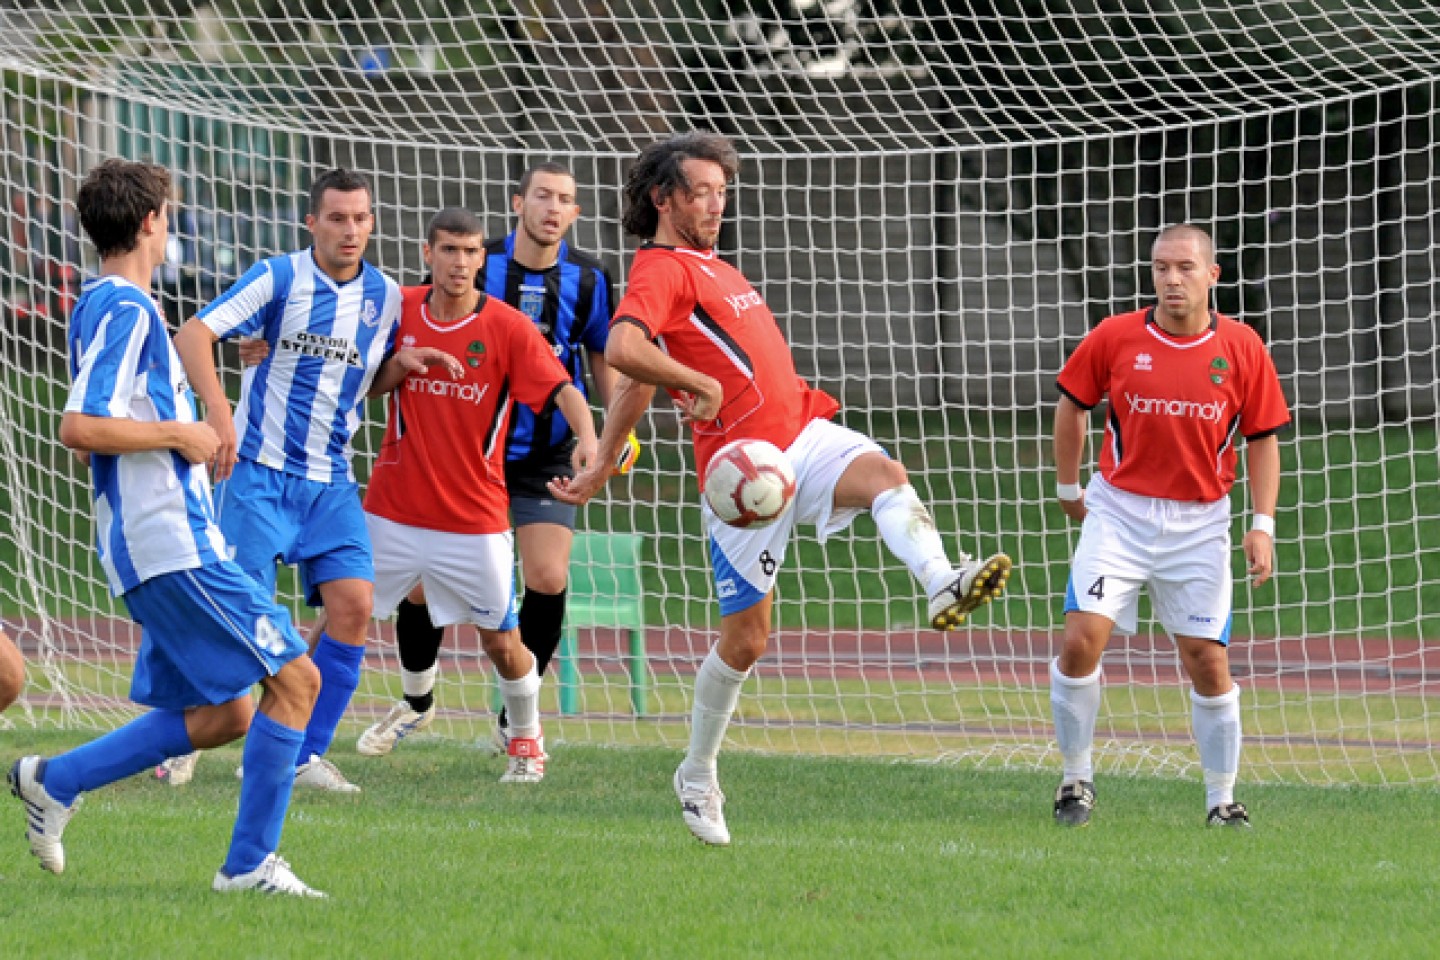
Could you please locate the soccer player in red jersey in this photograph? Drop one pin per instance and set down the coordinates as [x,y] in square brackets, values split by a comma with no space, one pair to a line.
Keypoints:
[691,323]
[1181,381]
[436,506]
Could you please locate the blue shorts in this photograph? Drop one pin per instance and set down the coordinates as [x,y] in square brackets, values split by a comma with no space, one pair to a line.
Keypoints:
[269,515]
[207,636]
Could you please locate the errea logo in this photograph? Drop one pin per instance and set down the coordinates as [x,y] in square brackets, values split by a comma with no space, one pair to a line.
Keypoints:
[1143,362]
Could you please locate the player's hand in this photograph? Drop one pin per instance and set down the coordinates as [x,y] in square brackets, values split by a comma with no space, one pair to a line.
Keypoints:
[222,458]
[198,442]
[253,351]
[703,405]
[1075,509]
[1259,556]
[578,490]
[419,359]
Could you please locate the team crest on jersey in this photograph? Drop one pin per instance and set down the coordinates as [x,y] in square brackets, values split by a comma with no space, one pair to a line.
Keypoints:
[475,354]
[1143,361]
[532,301]
[1219,370]
[370,313]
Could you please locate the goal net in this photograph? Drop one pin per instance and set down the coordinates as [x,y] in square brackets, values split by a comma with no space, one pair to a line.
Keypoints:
[938,199]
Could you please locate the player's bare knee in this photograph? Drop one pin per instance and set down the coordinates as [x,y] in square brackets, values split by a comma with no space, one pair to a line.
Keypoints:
[219,724]
[547,579]
[296,684]
[12,677]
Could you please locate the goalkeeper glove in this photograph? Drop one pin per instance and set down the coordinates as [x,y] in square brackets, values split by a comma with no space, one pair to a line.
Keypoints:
[628,454]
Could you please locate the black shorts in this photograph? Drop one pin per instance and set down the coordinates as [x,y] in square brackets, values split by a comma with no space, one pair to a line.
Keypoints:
[530,499]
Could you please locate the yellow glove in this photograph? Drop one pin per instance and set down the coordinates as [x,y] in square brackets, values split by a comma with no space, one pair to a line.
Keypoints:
[628,454]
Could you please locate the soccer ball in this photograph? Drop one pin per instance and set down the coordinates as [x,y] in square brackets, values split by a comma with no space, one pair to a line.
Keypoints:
[750,483]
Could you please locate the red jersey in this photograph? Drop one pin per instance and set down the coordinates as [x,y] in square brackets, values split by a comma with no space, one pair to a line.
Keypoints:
[705,314]
[442,463]
[1175,402]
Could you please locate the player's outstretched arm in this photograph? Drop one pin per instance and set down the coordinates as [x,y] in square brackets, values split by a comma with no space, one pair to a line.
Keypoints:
[1262,466]
[196,442]
[408,360]
[195,343]
[1069,446]
[628,404]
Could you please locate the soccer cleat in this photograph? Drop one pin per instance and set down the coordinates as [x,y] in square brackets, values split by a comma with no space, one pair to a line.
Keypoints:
[974,583]
[178,771]
[321,774]
[703,809]
[527,760]
[272,876]
[1228,815]
[45,817]
[380,738]
[501,737]
[1073,803]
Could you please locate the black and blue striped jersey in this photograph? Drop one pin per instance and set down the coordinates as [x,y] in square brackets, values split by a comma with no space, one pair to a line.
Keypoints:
[571,303]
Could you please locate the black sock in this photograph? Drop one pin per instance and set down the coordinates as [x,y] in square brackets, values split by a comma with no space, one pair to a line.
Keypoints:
[542,616]
[419,641]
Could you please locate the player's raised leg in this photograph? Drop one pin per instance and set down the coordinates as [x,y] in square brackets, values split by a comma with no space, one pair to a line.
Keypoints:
[875,482]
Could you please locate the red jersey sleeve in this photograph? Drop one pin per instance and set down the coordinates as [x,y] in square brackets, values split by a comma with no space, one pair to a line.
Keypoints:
[658,296]
[535,374]
[1085,378]
[1264,409]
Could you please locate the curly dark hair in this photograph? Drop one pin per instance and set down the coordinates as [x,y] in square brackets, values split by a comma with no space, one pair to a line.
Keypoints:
[659,172]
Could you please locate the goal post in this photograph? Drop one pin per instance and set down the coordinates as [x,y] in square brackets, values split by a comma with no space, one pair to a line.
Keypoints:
[937,200]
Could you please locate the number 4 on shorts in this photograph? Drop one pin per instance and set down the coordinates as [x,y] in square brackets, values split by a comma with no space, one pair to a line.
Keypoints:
[1097,589]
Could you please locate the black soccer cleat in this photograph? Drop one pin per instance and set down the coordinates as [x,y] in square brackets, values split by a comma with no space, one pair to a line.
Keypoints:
[1228,815]
[1073,803]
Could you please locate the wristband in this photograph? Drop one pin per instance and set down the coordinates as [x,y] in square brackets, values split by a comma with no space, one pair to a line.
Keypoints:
[1264,523]
[1068,492]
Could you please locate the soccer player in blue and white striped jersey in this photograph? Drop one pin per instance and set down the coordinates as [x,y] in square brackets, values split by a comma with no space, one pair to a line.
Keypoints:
[329,319]
[210,632]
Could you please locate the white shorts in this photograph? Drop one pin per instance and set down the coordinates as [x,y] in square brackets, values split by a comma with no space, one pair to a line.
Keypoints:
[744,562]
[1180,550]
[468,577]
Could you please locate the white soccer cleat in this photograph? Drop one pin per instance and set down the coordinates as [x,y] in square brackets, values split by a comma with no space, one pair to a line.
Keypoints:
[272,876]
[702,806]
[320,774]
[972,584]
[178,771]
[380,738]
[45,817]
[527,761]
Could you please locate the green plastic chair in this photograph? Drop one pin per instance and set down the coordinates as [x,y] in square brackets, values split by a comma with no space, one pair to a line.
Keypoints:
[604,591]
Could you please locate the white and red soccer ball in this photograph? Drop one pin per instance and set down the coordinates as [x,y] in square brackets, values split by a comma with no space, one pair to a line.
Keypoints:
[749,483]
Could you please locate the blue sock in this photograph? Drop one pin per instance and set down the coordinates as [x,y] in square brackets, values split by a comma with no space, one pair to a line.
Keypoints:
[149,739]
[339,665]
[269,762]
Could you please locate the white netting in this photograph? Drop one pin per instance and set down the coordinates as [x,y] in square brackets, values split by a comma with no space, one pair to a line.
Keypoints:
[938,199]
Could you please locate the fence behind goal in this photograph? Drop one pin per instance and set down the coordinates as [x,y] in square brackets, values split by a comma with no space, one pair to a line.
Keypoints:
[937,206]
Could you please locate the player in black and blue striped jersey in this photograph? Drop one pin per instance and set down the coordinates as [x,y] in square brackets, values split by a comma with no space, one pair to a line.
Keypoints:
[570,297]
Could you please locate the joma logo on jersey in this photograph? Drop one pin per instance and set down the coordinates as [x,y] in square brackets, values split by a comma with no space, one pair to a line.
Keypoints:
[326,348]
[532,301]
[740,302]
[1212,412]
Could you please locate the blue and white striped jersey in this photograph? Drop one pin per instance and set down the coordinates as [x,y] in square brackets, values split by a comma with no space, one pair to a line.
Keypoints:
[153,510]
[299,408]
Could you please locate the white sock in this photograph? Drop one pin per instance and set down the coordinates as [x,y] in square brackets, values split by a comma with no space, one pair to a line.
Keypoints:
[418,684]
[1217,735]
[1075,704]
[909,531]
[717,691]
[522,704]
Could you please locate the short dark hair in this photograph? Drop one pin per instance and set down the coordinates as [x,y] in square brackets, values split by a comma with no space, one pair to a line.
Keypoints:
[660,168]
[346,181]
[114,201]
[553,167]
[1187,231]
[456,220]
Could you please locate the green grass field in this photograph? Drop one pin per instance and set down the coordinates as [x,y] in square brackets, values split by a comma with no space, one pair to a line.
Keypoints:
[831,858]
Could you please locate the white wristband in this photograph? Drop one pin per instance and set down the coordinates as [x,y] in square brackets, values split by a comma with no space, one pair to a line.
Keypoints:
[1264,523]
[1068,491]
